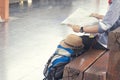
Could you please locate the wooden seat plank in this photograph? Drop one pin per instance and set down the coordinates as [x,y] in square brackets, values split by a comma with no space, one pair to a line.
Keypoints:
[74,70]
[98,70]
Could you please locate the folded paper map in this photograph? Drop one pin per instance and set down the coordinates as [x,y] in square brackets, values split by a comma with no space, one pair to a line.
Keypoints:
[80,17]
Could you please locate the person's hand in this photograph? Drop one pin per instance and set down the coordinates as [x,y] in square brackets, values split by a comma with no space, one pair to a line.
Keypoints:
[96,15]
[75,28]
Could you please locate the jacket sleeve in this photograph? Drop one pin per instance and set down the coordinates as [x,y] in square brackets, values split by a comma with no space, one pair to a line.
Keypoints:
[111,17]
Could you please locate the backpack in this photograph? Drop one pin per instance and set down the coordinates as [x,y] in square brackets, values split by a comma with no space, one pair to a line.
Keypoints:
[55,66]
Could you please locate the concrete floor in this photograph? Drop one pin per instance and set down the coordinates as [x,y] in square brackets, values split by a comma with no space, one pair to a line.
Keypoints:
[31,35]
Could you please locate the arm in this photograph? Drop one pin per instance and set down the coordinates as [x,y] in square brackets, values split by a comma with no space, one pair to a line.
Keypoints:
[111,16]
[108,21]
[87,29]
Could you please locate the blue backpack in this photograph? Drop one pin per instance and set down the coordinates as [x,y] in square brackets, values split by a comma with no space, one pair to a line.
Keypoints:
[55,65]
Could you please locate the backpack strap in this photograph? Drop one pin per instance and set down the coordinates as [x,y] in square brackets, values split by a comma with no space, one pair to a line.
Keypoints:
[59,53]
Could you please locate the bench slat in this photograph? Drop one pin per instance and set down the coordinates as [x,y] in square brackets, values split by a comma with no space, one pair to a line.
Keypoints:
[74,70]
[98,70]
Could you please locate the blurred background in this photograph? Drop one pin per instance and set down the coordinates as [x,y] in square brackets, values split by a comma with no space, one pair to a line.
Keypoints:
[33,32]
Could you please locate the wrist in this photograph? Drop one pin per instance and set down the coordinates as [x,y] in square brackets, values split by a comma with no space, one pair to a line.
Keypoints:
[81,29]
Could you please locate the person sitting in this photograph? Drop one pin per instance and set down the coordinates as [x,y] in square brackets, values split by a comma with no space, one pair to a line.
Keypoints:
[109,22]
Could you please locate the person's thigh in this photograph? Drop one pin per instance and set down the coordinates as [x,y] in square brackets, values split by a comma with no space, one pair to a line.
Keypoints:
[87,41]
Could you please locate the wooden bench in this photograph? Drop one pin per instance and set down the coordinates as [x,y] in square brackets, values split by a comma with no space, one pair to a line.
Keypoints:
[97,64]
[76,68]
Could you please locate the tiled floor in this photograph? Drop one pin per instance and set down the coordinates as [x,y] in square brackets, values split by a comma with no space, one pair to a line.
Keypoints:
[32,34]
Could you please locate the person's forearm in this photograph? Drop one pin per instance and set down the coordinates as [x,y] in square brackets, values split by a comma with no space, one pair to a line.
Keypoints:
[91,29]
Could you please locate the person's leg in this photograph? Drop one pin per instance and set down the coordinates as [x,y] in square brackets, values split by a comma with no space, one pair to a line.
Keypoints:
[87,42]
[91,43]
[98,46]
